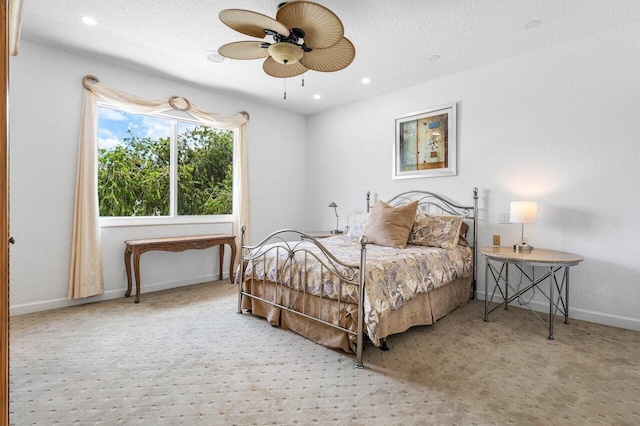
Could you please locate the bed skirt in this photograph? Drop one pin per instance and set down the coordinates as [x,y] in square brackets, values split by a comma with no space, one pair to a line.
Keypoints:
[424,309]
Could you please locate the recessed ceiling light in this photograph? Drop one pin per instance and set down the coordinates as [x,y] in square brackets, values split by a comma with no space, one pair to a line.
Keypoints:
[434,57]
[89,20]
[214,56]
[316,96]
[532,24]
[366,80]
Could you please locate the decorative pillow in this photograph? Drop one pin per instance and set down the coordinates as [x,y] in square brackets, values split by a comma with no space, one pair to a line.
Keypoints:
[356,229]
[462,241]
[436,230]
[390,226]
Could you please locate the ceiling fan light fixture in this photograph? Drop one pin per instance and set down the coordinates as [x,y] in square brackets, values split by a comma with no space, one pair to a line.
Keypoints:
[306,36]
[285,53]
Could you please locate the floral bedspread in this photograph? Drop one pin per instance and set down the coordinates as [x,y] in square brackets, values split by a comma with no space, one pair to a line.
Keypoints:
[393,276]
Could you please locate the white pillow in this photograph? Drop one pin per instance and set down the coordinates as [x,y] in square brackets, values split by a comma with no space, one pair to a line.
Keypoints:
[356,229]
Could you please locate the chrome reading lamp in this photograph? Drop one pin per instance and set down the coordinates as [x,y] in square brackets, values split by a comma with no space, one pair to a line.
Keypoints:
[523,212]
[335,209]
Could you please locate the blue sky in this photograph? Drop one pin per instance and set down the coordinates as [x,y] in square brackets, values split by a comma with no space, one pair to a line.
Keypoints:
[113,125]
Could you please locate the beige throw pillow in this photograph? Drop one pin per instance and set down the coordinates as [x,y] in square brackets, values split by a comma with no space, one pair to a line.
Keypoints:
[436,230]
[462,241]
[390,226]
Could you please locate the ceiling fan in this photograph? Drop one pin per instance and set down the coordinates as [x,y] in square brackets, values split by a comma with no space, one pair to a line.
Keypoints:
[306,36]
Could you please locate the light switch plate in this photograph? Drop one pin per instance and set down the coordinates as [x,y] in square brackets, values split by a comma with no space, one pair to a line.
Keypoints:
[496,240]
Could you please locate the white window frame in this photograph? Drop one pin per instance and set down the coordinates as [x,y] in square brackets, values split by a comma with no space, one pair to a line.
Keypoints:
[173,218]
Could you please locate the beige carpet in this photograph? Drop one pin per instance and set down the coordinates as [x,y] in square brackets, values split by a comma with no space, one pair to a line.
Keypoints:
[184,357]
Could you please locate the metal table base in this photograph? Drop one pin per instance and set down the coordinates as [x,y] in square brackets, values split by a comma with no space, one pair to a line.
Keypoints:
[556,267]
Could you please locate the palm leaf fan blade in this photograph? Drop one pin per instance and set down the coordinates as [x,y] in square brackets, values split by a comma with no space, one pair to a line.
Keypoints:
[332,59]
[275,69]
[243,50]
[251,23]
[323,29]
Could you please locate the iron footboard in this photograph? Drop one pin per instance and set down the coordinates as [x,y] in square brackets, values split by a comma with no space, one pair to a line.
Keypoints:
[290,267]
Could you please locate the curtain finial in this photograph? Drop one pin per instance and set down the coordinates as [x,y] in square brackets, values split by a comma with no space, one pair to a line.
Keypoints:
[185,101]
[86,78]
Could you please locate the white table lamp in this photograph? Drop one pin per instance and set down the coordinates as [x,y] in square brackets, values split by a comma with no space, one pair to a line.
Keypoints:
[523,212]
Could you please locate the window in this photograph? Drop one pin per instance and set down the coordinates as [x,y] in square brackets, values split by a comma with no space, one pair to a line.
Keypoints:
[162,166]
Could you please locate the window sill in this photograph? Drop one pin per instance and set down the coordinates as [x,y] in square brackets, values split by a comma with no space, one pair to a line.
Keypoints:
[115,222]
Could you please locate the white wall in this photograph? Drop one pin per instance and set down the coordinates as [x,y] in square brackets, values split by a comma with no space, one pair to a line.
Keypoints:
[45,108]
[559,126]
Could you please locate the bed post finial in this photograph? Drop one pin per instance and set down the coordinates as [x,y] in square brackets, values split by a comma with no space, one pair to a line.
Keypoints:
[475,193]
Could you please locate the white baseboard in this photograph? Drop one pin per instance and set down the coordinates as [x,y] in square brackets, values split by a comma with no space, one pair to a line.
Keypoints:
[583,315]
[27,308]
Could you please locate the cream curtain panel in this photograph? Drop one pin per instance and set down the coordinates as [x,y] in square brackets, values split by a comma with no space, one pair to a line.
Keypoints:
[86,260]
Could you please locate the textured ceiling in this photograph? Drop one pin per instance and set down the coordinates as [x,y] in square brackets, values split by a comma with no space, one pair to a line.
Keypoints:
[393,39]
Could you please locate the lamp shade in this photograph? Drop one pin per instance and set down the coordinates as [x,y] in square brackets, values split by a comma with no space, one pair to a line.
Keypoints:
[285,53]
[523,212]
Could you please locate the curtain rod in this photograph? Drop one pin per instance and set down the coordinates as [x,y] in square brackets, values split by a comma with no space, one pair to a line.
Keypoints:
[85,83]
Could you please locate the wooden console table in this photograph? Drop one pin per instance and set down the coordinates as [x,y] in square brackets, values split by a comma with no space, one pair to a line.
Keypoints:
[137,247]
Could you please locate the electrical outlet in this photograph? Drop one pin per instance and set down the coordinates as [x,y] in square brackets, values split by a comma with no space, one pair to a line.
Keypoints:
[504,218]
[496,240]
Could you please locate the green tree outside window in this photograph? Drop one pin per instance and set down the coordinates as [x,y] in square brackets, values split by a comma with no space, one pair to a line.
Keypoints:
[134,175]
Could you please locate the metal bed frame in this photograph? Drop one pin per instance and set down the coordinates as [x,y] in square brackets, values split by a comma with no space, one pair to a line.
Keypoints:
[427,202]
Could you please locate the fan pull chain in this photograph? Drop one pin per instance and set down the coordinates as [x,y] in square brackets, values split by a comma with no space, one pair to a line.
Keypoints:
[285,88]
[302,81]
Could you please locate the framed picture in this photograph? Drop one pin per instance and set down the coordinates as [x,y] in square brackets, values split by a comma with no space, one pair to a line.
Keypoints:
[425,144]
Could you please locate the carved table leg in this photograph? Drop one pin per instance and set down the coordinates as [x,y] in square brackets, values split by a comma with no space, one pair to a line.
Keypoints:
[221,258]
[136,271]
[127,266]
